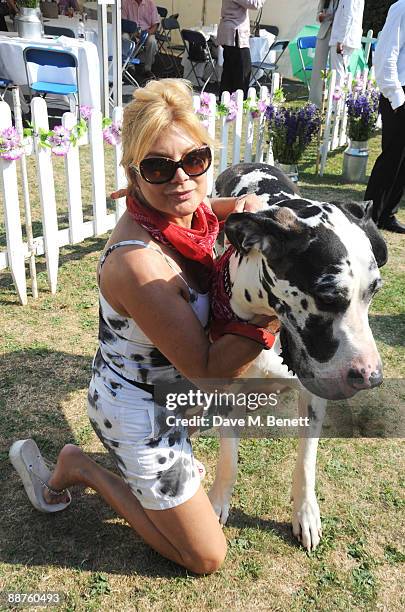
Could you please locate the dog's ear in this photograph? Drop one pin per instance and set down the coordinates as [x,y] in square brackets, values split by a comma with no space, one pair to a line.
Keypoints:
[356,211]
[275,231]
[244,231]
[361,214]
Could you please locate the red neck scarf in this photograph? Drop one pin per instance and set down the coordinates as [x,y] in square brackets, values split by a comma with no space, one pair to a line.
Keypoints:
[195,243]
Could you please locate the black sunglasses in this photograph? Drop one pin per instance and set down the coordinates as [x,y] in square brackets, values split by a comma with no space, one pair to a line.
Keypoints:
[158,170]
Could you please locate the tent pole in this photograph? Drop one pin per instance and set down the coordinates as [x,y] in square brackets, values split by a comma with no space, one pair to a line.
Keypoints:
[117,54]
[102,37]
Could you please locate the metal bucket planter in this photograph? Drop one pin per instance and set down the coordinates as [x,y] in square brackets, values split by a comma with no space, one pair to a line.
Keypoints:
[291,170]
[28,23]
[355,160]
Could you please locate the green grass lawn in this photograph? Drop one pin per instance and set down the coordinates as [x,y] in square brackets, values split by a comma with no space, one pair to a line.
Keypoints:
[93,557]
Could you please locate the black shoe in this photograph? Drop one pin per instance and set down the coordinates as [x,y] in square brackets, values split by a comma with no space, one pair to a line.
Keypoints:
[393,225]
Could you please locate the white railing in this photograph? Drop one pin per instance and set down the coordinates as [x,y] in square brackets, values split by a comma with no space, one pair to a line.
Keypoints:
[248,136]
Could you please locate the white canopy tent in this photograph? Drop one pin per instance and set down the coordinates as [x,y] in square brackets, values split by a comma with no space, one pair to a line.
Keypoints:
[289,17]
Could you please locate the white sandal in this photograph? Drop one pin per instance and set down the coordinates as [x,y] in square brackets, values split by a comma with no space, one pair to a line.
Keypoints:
[35,474]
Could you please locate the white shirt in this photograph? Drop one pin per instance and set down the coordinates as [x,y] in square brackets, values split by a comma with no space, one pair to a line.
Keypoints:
[389,56]
[347,25]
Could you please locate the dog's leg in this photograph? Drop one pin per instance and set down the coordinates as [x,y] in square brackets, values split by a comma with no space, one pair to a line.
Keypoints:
[306,520]
[226,471]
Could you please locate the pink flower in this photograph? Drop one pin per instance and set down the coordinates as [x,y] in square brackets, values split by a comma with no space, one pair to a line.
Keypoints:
[112,133]
[262,105]
[358,84]
[59,140]
[337,94]
[205,99]
[10,144]
[204,110]
[12,154]
[61,149]
[86,111]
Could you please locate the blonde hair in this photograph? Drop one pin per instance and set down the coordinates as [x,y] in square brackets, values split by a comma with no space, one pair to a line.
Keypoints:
[156,107]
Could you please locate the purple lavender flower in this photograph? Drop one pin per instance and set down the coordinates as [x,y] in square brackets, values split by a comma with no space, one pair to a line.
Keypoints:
[291,130]
[362,110]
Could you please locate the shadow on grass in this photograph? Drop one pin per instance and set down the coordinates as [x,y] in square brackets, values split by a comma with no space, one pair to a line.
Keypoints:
[241,520]
[88,535]
[389,329]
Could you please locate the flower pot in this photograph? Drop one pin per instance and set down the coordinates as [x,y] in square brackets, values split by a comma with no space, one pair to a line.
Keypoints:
[355,160]
[291,170]
[28,23]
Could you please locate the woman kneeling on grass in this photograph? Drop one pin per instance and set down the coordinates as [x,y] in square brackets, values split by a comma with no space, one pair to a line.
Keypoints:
[153,278]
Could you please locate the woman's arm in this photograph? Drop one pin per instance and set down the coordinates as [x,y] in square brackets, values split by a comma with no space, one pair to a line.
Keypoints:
[141,283]
[222,207]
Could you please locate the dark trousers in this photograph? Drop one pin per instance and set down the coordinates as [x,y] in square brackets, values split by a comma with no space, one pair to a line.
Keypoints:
[387,181]
[236,69]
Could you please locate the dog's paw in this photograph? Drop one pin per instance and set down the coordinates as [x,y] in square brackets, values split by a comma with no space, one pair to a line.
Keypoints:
[220,501]
[306,521]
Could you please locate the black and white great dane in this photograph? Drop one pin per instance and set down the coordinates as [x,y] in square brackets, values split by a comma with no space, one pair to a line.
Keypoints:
[316,264]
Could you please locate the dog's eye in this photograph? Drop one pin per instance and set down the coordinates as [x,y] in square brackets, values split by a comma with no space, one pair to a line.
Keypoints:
[337,302]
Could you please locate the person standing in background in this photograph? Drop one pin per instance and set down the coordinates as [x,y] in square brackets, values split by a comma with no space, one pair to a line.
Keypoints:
[347,30]
[233,34]
[145,15]
[325,16]
[7,7]
[387,181]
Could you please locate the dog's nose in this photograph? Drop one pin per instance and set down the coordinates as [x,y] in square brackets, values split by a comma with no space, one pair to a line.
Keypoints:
[360,379]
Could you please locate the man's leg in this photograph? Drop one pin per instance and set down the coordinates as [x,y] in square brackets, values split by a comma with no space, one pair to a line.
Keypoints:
[246,70]
[227,78]
[319,64]
[150,52]
[337,62]
[236,70]
[387,181]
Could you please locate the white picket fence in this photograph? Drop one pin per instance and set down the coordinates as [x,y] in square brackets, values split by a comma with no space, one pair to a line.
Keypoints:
[335,122]
[21,247]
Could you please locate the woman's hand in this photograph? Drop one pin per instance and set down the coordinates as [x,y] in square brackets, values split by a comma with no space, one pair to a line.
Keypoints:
[248,203]
[269,322]
[121,193]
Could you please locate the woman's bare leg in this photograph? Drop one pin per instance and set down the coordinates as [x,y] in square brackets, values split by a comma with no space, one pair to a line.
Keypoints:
[189,534]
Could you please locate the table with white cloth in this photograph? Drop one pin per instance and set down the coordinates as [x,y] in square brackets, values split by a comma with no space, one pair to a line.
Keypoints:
[12,65]
[91,28]
[72,23]
[259,46]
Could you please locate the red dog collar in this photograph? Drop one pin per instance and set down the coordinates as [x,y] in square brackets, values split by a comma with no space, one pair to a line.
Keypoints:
[237,328]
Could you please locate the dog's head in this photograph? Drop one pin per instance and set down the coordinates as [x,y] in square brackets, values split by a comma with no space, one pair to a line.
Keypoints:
[317,266]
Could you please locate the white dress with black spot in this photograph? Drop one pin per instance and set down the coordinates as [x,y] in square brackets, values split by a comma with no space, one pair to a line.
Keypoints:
[156,461]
